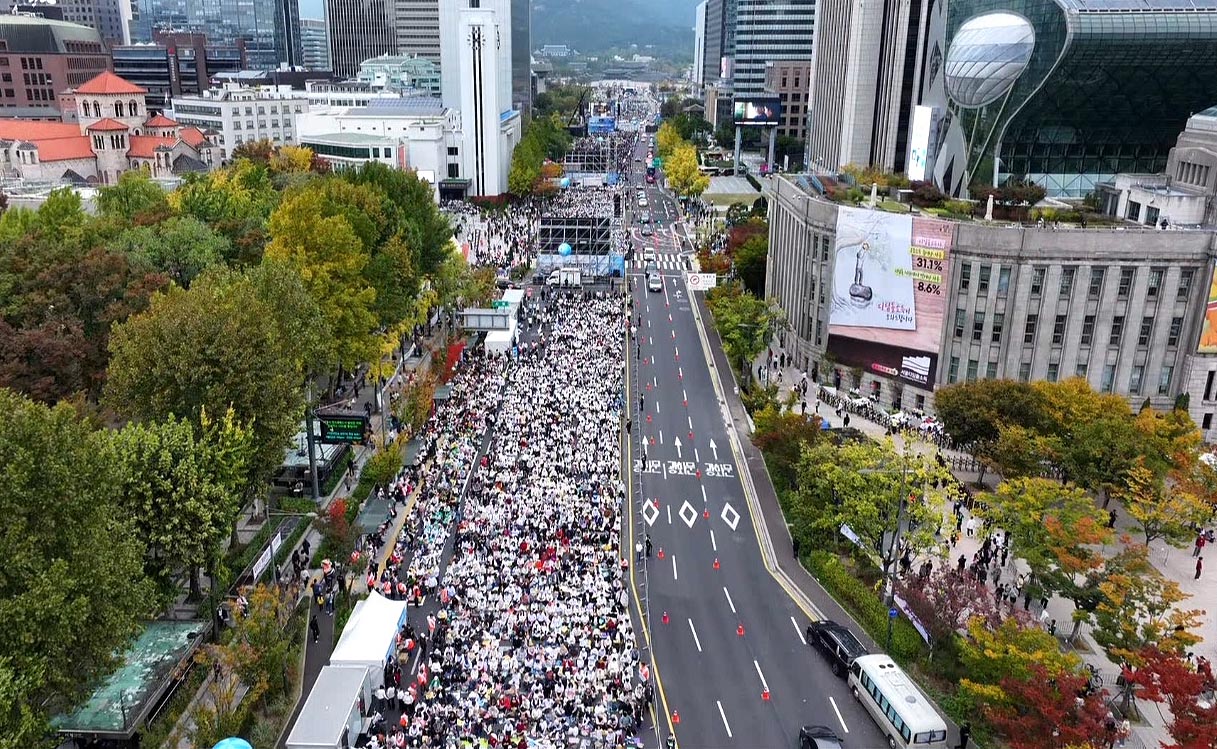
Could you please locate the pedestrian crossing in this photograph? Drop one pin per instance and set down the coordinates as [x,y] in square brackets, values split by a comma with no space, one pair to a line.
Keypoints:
[664,261]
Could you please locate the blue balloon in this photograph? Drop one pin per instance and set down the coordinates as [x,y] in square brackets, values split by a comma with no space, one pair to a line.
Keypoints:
[565,182]
[233,743]
[564,249]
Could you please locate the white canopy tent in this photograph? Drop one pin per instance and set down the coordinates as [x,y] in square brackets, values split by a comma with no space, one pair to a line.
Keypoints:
[331,718]
[370,635]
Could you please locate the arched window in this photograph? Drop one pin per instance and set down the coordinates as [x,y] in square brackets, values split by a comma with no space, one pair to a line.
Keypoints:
[96,108]
[118,109]
[84,107]
[132,108]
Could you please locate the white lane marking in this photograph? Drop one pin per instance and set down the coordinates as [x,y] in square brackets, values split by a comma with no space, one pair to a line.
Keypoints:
[657,407]
[703,494]
[675,574]
[684,395]
[655,380]
[730,602]
[764,684]
[661,439]
[696,455]
[713,543]
[796,629]
[690,423]
[669,514]
[650,340]
[680,371]
[838,712]
[696,641]
[677,350]
[726,725]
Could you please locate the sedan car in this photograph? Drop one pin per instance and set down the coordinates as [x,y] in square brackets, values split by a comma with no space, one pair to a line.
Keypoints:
[647,231]
[648,254]
[654,282]
[819,737]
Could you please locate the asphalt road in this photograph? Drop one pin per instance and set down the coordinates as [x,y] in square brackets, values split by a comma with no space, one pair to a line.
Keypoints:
[752,690]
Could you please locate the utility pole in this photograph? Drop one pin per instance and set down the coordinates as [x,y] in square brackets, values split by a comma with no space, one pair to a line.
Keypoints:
[312,446]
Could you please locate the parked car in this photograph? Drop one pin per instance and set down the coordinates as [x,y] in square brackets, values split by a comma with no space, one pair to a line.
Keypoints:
[837,643]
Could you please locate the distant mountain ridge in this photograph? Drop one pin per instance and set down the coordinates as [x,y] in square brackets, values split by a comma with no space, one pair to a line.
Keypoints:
[591,26]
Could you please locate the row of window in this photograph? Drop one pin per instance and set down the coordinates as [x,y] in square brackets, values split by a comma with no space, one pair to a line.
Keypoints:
[1193,174]
[1058,329]
[1068,274]
[892,716]
[1135,379]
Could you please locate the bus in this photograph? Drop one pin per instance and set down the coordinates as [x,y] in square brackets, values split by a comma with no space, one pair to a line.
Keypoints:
[897,706]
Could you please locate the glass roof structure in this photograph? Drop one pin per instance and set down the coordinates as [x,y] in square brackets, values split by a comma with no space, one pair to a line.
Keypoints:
[1106,88]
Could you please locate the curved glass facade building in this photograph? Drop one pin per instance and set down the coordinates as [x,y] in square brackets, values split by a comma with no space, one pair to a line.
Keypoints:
[1066,93]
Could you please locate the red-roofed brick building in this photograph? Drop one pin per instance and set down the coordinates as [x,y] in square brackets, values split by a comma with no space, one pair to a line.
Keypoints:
[114,134]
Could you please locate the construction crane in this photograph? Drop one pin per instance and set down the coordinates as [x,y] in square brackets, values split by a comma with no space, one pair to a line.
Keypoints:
[578,109]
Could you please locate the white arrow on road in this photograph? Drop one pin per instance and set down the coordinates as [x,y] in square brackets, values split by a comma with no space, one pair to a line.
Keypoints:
[678,448]
[714,449]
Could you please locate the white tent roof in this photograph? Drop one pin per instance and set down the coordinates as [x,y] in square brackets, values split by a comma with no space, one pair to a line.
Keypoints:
[328,707]
[371,632]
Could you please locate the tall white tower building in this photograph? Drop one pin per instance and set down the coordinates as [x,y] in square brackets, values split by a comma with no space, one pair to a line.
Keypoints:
[475,68]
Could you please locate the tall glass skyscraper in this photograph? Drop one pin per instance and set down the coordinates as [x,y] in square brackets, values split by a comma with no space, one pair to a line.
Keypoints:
[270,28]
[769,31]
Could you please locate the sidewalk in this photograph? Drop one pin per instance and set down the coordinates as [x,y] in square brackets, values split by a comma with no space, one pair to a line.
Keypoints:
[1174,563]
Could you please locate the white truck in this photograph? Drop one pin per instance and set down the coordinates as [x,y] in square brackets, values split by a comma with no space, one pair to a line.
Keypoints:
[567,278]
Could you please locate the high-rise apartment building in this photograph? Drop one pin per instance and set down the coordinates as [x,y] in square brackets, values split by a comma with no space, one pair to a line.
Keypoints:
[315,44]
[270,28]
[863,85]
[359,30]
[769,31]
[417,28]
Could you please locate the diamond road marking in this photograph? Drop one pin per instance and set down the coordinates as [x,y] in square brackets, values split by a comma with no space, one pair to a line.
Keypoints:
[691,517]
[650,512]
[730,516]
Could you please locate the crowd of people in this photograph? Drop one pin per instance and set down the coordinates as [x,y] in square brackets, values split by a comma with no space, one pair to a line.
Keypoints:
[596,201]
[500,238]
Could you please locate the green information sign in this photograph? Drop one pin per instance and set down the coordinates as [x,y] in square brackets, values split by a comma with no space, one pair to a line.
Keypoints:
[657,162]
[345,429]
[500,304]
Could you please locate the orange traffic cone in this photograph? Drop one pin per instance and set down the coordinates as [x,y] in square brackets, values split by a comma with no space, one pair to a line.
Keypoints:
[690,435]
[706,513]
[716,564]
[765,696]
[675,718]
[740,630]
[661,552]
[665,617]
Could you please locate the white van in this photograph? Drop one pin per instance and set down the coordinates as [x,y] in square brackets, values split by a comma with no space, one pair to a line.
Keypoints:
[897,706]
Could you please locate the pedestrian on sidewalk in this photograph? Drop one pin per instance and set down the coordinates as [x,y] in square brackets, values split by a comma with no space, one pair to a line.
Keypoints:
[1200,542]
[1199,566]
[649,546]
[795,546]
[314,629]
[965,733]
[1111,519]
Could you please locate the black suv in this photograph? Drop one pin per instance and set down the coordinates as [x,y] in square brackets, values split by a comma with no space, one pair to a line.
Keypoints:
[819,737]
[837,643]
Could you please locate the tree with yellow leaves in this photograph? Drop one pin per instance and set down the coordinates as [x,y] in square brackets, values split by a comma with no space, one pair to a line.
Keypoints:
[1139,607]
[1163,508]
[667,140]
[684,177]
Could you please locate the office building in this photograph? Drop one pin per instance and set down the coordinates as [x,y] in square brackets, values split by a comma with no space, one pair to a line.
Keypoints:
[39,58]
[270,29]
[342,94]
[176,63]
[315,44]
[417,25]
[719,45]
[238,115]
[297,79]
[1067,93]
[416,133]
[476,70]
[1123,309]
[114,133]
[41,8]
[789,80]
[699,44]
[108,17]
[521,57]
[359,30]
[401,72]
[769,31]
[864,84]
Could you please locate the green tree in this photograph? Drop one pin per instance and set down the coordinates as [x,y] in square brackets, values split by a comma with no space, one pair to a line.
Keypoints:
[1139,607]
[862,485]
[134,194]
[62,216]
[1012,650]
[782,436]
[181,247]
[213,347]
[16,223]
[1162,509]
[236,201]
[1053,528]
[751,260]
[525,168]
[684,177]
[296,315]
[328,255]
[413,213]
[182,490]
[745,322]
[73,590]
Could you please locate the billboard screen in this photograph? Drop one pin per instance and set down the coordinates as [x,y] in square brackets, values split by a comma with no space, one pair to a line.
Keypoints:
[1208,328]
[759,112]
[601,125]
[919,143]
[888,293]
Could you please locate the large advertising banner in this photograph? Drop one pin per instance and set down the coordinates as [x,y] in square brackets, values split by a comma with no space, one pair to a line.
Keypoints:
[888,293]
[761,112]
[1208,329]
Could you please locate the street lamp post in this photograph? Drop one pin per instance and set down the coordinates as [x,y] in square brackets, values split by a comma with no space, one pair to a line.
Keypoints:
[889,556]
